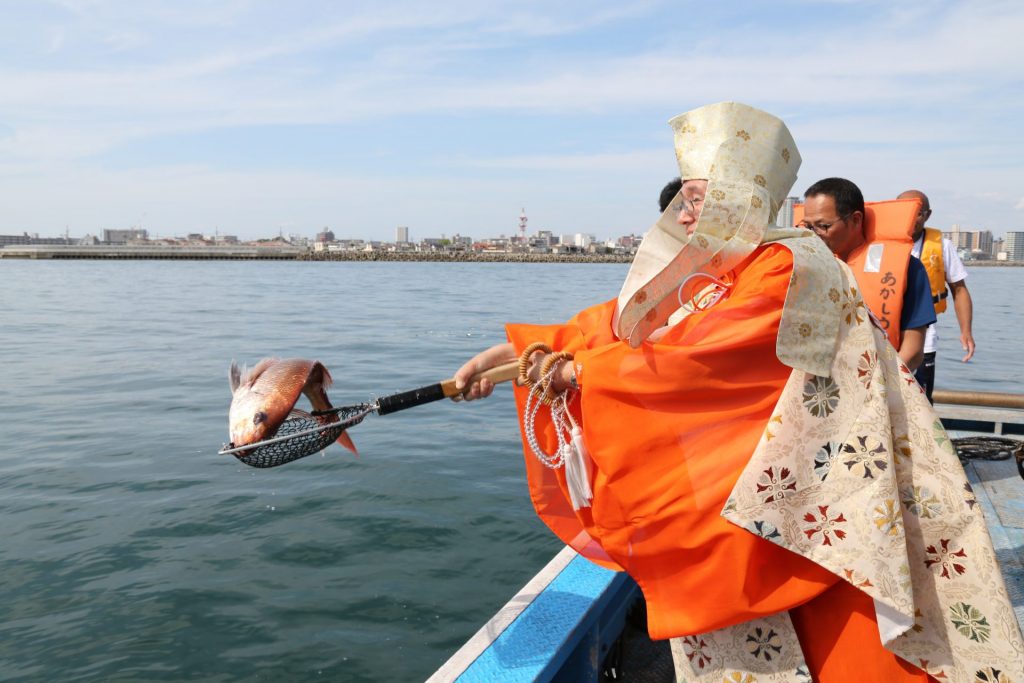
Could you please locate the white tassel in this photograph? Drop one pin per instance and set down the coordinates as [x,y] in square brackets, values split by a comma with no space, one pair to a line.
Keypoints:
[577,480]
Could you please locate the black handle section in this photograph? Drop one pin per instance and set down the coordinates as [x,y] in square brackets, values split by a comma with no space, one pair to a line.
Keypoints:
[408,399]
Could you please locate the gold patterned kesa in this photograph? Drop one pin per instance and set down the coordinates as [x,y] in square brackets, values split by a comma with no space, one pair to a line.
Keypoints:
[913,536]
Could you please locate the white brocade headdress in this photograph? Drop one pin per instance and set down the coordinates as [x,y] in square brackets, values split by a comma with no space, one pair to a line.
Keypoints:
[750,161]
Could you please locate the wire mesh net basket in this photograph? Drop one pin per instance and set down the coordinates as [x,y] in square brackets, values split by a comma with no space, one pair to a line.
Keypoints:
[298,437]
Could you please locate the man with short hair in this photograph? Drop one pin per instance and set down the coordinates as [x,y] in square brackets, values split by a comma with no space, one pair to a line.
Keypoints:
[668,193]
[834,210]
[944,269]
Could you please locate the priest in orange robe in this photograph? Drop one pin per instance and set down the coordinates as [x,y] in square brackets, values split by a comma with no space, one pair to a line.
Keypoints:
[736,434]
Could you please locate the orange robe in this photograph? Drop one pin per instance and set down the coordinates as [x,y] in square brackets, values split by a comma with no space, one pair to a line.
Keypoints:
[669,427]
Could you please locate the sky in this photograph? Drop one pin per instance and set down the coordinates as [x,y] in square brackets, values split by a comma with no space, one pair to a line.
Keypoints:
[253,118]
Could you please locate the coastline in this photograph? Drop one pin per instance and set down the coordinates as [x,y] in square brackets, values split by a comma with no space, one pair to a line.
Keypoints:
[292,253]
[284,253]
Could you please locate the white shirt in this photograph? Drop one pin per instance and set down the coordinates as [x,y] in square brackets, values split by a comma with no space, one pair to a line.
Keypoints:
[955,272]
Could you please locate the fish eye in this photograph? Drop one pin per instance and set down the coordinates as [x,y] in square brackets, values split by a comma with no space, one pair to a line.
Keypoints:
[259,417]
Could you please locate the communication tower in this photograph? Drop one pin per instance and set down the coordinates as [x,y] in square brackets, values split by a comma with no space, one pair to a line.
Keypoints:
[522,226]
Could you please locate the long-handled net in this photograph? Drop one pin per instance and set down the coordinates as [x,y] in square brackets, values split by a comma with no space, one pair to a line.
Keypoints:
[304,435]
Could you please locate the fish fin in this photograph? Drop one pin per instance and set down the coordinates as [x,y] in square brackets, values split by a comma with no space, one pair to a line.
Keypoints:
[316,385]
[234,376]
[326,378]
[296,412]
[250,376]
[346,441]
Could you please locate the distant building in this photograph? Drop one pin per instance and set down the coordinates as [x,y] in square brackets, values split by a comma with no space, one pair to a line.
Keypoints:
[629,241]
[34,238]
[402,234]
[1013,244]
[785,218]
[961,239]
[325,236]
[125,236]
[582,240]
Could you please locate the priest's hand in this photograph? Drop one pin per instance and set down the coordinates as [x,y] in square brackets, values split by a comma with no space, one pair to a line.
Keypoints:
[499,354]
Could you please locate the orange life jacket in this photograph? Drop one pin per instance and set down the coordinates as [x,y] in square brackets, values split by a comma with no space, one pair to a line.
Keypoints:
[880,263]
[931,257]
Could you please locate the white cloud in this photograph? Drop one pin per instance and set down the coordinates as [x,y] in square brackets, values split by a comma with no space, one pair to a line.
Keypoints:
[920,96]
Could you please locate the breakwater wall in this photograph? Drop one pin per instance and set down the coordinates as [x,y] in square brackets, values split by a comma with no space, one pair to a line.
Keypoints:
[465,257]
[153,252]
[284,253]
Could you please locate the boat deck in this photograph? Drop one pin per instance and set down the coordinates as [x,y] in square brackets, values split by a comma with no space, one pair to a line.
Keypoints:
[1000,492]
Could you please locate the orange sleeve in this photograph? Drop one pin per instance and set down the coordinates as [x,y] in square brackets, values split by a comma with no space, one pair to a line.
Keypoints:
[669,427]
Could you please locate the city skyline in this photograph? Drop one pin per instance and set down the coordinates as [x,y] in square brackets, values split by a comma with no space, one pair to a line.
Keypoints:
[252,119]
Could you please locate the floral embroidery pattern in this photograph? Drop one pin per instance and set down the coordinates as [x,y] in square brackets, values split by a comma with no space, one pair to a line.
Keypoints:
[774,485]
[865,453]
[717,195]
[948,560]
[901,448]
[921,502]
[991,675]
[764,643]
[825,525]
[694,647]
[969,498]
[821,396]
[855,578]
[824,457]
[887,518]
[739,677]
[785,154]
[918,616]
[866,368]
[970,622]
[833,295]
[766,530]
[743,135]
[853,309]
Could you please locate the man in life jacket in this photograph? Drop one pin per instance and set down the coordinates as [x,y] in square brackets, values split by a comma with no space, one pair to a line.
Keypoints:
[896,289]
[735,433]
[944,269]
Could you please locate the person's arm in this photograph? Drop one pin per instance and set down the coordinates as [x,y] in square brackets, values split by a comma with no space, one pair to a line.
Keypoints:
[912,348]
[498,354]
[918,314]
[964,308]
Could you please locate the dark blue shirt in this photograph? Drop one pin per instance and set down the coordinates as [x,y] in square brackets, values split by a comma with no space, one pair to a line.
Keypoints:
[918,309]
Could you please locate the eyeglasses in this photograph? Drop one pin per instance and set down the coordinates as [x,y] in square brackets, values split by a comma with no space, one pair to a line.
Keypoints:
[823,227]
[690,206]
